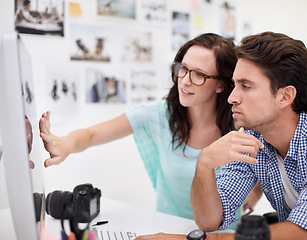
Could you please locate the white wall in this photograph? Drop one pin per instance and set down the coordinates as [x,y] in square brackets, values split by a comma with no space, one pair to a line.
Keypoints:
[116,168]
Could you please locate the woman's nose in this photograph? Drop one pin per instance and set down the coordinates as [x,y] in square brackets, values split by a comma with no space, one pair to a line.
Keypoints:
[186,79]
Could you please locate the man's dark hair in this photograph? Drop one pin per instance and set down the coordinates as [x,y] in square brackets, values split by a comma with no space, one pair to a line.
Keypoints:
[179,122]
[282,59]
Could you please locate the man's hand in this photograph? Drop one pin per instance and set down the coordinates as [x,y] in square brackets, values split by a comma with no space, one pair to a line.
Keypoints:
[229,148]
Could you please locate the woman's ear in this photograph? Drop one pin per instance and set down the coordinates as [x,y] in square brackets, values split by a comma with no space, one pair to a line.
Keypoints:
[286,95]
[220,88]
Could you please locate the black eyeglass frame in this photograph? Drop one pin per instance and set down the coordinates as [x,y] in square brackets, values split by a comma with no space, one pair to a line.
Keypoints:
[189,71]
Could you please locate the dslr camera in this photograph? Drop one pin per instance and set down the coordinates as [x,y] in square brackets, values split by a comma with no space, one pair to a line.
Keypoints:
[83,203]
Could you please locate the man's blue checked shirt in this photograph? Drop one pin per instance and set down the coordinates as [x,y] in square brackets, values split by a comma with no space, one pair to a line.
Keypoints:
[237,179]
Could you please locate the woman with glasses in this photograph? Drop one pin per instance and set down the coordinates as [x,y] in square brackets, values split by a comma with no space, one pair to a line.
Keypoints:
[169,133]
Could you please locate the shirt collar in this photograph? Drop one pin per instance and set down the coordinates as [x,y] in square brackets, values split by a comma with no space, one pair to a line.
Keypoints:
[268,149]
[298,137]
[293,151]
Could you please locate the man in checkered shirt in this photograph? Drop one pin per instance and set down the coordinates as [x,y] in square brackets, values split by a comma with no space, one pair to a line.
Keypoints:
[270,101]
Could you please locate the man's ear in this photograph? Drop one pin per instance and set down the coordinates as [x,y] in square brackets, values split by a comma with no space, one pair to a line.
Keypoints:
[286,95]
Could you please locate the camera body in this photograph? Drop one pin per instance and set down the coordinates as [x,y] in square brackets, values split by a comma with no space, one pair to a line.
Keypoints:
[86,198]
[83,203]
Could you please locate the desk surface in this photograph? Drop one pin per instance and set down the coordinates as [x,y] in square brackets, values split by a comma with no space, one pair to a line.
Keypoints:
[122,217]
[128,218]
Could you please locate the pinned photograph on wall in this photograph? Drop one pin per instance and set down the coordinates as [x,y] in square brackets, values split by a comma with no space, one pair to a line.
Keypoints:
[75,9]
[154,12]
[143,86]
[135,46]
[118,8]
[40,17]
[180,29]
[228,19]
[89,42]
[246,25]
[62,98]
[198,21]
[105,86]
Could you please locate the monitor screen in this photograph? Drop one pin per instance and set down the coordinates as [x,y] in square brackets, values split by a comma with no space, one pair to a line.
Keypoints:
[20,139]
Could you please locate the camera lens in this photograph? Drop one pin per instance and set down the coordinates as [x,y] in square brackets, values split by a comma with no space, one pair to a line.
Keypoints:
[252,227]
[57,202]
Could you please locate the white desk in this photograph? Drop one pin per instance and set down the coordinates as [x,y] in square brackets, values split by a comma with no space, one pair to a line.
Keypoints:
[122,217]
[129,218]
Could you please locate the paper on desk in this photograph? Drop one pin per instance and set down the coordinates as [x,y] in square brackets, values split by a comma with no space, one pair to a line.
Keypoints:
[118,235]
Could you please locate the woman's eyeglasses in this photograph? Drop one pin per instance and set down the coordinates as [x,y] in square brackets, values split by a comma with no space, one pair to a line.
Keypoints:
[197,78]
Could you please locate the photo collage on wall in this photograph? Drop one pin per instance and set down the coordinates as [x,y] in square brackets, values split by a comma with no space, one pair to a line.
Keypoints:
[112,46]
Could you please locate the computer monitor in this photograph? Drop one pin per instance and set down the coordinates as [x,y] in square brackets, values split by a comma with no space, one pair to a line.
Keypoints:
[20,139]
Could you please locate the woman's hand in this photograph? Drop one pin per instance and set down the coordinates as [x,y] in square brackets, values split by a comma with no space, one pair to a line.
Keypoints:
[58,147]
[252,199]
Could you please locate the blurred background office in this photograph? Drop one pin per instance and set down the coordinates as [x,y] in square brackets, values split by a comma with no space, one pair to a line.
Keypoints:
[93,59]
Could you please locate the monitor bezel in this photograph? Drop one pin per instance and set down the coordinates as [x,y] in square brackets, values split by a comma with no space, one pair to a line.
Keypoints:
[14,141]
